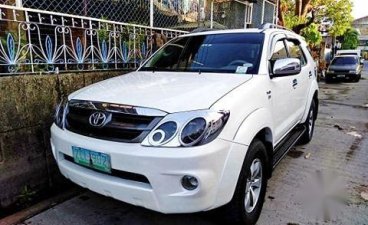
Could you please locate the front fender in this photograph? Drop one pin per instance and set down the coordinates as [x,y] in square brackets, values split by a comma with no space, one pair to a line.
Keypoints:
[252,124]
[248,129]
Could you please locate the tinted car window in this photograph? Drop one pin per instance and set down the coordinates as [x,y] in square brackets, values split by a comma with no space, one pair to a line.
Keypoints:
[344,60]
[221,53]
[296,52]
[280,51]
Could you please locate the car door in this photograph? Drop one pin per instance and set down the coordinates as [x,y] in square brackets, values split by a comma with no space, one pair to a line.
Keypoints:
[301,81]
[282,91]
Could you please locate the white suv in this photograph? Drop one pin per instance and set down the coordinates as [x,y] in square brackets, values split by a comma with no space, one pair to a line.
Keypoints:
[201,124]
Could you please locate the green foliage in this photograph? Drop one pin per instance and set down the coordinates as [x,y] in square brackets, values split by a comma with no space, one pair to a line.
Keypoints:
[291,19]
[351,39]
[26,196]
[338,11]
[312,35]
[103,32]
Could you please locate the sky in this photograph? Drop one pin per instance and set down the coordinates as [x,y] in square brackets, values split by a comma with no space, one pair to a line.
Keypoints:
[360,8]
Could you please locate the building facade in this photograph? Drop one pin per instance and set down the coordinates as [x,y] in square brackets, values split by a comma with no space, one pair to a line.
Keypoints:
[361,25]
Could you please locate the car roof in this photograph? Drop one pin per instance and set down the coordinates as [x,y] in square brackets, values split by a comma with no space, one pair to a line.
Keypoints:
[346,56]
[348,50]
[247,30]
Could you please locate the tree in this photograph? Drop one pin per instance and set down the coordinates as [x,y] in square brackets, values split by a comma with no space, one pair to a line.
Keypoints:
[300,14]
[312,35]
[350,39]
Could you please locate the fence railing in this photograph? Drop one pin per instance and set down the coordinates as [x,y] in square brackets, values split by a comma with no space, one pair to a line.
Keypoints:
[34,40]
[154,13]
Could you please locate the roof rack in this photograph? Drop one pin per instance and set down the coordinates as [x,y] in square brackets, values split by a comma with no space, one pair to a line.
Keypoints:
[272,26]
[202,29]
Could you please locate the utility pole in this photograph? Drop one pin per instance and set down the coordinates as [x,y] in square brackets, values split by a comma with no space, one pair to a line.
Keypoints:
[199,13]
[19,3]
[277,12]
[211,25]
[151,13]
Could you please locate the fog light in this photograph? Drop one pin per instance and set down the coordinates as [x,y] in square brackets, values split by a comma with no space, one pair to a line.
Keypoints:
[190,183]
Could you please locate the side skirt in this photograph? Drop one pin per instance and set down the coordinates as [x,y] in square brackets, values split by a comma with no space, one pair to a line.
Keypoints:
[287,143]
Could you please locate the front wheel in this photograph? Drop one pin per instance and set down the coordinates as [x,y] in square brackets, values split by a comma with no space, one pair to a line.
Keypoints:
[357,78]
[309,124]
[328,79]
[247,202]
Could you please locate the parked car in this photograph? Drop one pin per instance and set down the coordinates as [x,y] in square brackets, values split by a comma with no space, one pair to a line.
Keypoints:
[355,52]
[201,124]
[349,52]
[344,67]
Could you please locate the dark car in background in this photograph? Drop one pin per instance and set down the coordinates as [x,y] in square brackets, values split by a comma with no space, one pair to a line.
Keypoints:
[344,67]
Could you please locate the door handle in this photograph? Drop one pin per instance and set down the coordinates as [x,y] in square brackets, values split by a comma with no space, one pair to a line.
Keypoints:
[295,83]
[268,94]
[310,74]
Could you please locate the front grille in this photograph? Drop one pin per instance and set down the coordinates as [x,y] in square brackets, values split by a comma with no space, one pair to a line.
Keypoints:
[123,123]
[116,173]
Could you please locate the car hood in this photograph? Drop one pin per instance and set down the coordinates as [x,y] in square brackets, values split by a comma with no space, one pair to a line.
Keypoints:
[167,91]
[343,67]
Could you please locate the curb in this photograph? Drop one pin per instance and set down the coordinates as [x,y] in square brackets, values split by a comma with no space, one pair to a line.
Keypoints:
[27,213]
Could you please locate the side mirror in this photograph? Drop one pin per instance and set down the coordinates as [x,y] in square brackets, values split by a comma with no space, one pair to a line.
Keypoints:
[361,61]
[286,67]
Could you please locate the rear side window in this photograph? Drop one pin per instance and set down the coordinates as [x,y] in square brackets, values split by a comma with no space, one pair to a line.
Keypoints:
[295,51]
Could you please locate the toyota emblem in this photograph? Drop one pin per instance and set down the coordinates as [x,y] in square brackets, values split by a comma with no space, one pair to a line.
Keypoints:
[99,119]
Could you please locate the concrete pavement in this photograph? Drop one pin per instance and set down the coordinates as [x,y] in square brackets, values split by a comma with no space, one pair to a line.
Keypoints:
[324,182]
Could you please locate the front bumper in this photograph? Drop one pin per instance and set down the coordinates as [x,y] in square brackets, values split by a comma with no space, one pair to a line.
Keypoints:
[216,165]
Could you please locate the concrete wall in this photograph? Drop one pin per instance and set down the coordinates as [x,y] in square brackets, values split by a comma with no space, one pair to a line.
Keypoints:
[27,104]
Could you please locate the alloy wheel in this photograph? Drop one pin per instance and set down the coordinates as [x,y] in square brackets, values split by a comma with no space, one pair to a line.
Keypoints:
[310,123]
[253,186]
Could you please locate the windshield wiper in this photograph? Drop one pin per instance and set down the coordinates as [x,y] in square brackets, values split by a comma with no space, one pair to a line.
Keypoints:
[149,68]
[155,68]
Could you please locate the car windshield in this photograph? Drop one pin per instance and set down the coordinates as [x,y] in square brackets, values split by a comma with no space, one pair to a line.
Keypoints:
[344,61]
[218,53]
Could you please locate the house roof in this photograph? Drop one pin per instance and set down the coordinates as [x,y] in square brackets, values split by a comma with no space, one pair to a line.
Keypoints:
[362,20]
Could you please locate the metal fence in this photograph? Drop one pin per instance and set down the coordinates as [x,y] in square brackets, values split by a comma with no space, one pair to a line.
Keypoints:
[155,13]
[174,14]
[64,35]
[34,40]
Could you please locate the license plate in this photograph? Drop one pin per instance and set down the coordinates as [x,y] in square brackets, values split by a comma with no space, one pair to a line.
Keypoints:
[340,75]
[96,160]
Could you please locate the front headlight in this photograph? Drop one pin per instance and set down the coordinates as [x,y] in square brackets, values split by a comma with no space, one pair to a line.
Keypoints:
[193,131]
[187,129]
[59,116]
[163,133]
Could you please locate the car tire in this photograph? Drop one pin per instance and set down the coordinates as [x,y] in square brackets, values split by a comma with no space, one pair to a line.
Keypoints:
[309,124]
[247,202]
[357,78]
[328,79]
